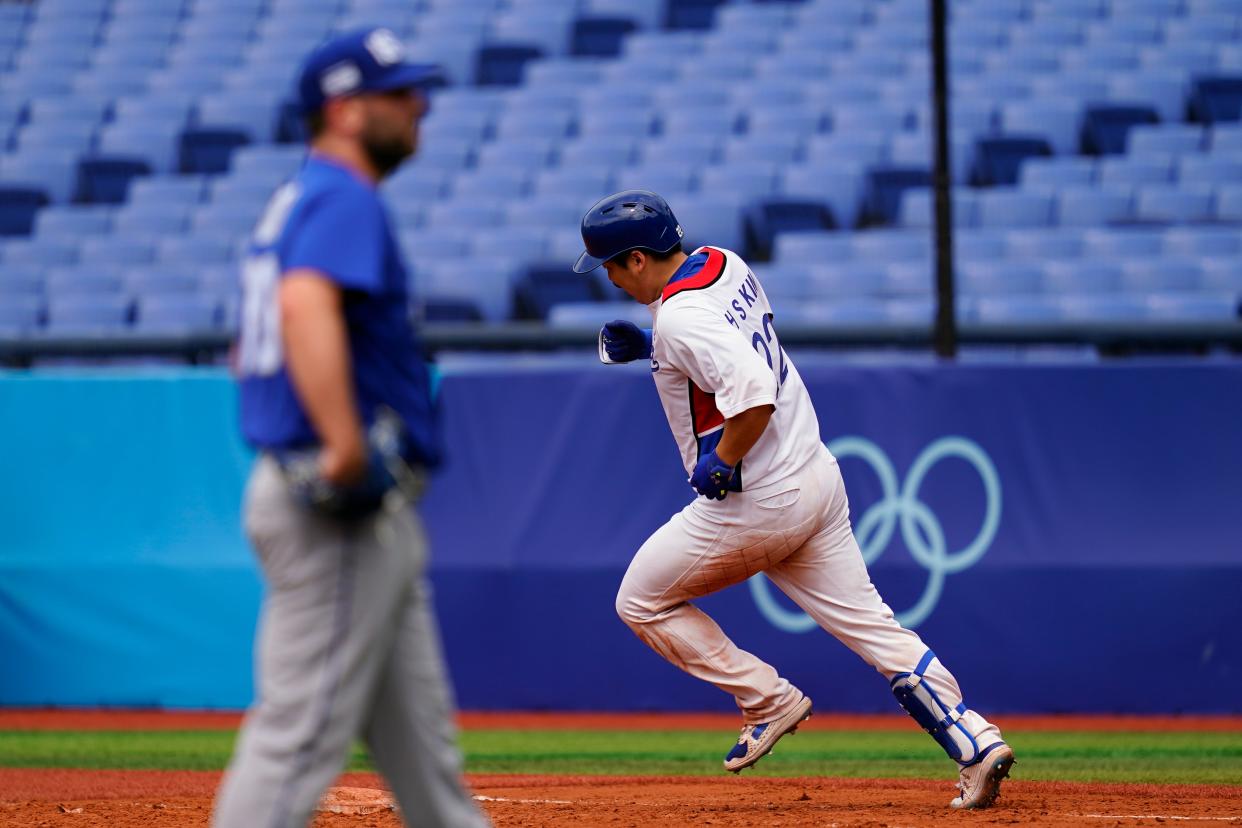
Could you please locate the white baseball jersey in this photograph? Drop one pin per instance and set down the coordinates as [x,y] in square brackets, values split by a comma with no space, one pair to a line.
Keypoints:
[715,354]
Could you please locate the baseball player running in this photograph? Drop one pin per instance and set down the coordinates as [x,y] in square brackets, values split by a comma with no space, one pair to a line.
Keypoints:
[771,496]
[335,395]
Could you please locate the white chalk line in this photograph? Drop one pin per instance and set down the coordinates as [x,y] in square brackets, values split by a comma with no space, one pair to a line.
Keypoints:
[481,798]
[1158,816]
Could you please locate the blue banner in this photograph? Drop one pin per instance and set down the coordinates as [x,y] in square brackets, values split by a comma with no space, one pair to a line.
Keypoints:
[1066,537]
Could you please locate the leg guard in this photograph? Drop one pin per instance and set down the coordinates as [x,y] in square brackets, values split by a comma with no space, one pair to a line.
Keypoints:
[933,715]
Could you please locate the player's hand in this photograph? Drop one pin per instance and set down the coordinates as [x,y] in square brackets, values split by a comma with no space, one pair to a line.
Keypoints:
[624,341]
[712,476]
[343,466]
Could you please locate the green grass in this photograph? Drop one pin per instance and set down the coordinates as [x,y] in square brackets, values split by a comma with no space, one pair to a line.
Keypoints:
[1214,758]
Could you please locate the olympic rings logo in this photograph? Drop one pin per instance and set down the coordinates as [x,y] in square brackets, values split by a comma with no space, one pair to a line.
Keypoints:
[920,528]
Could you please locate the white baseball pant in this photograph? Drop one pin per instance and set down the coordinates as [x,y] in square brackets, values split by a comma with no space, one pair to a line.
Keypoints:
[798,533]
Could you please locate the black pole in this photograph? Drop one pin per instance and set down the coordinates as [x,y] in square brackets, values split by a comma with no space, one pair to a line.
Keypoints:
[946,321]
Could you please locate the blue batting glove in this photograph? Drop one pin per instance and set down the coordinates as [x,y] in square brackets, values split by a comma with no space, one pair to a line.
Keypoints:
[625,342]
[712,476]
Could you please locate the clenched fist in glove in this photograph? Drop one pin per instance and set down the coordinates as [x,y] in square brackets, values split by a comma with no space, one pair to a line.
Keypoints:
[621,341]
[712,476]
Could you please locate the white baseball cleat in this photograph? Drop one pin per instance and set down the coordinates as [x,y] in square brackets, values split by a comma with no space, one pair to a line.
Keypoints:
[979,784]
[757,740]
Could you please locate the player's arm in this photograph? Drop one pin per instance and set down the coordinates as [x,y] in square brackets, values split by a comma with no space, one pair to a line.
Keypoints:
[742,432]
[317,356]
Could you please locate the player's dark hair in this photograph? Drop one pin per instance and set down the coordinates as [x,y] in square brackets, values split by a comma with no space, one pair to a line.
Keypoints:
[620,258]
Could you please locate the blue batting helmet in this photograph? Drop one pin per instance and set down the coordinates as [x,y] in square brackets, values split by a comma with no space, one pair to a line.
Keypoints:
[625,221]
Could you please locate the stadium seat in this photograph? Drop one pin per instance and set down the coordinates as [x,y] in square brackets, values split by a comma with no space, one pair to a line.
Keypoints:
[1216,99]
[993,278]
[18,207]
[1047,244]
[599,36]
[765,218]
[87,316]
[1161,275]
[503,65]
[541,288]
[1127,171]
[176,315]
[19,315]
[710,220]
[1193,307]
[1202,241]
[1209,170]
[106,179]
[1070,277]
[487,283]
[40,252]
[1014,208]
[1053,173]
[1128,243]
[884,189]
[998,160]
[1174,204]
[1175,139]
[1086,206]
[1105,126]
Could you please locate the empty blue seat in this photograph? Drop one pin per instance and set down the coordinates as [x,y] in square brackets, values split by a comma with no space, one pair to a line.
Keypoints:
[909,278]
[21,279]
[747,180]
[884,189]
[18,207]
[917,208]
[598,151]
[688,149]
[177,315]
[162,280]
[856,148]
[503,65]
[198,249]
[998,160]
[1216,99]
[518,153]
[582,182]
[1175,139]
[992,278]
[541,288]
[1056,173]
[1057,120]
[520,244]
[487,282]
[86,279]
[593,315]
[1017,309]
[1071,277]
[710,220]
[665,179]
[178,191]
[497,182]
[53,171]
[1202,241]
[805,247]
[766,218]
[545,123]
[1128,243]
[1209,170]
[1161,90]
[979,245]
[116,251]
[1199,306]
[1222,274]
[1159,275]
[40,252]
[1135,172]
[838,185]
[1167,203]
[1043,244]
[1093,206]
[87,316]
[1229,203]
[1014,208]
[552,213]
[891,246]
[1103,308]
[599,36]
[72,221]
[19,314]
[846,279]
[1106,126]
[151,219]
[472,214]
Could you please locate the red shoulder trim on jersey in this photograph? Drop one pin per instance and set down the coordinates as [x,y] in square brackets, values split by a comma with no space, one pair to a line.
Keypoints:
[706,277]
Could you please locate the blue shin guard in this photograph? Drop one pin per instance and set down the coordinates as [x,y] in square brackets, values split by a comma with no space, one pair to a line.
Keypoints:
[933,715]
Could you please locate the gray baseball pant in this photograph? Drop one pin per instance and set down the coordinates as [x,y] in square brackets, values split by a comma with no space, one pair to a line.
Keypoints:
[347,648]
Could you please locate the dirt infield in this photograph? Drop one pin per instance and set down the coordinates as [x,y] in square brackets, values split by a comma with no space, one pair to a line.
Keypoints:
[45,798]
[173,799]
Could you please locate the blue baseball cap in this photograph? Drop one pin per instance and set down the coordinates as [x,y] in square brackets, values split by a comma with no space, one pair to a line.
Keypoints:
[367,60]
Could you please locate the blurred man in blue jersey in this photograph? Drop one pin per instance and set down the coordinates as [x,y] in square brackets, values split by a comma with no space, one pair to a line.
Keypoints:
[335,396]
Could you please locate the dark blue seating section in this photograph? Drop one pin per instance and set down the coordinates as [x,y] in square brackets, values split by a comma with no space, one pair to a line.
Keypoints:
[1096,152]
